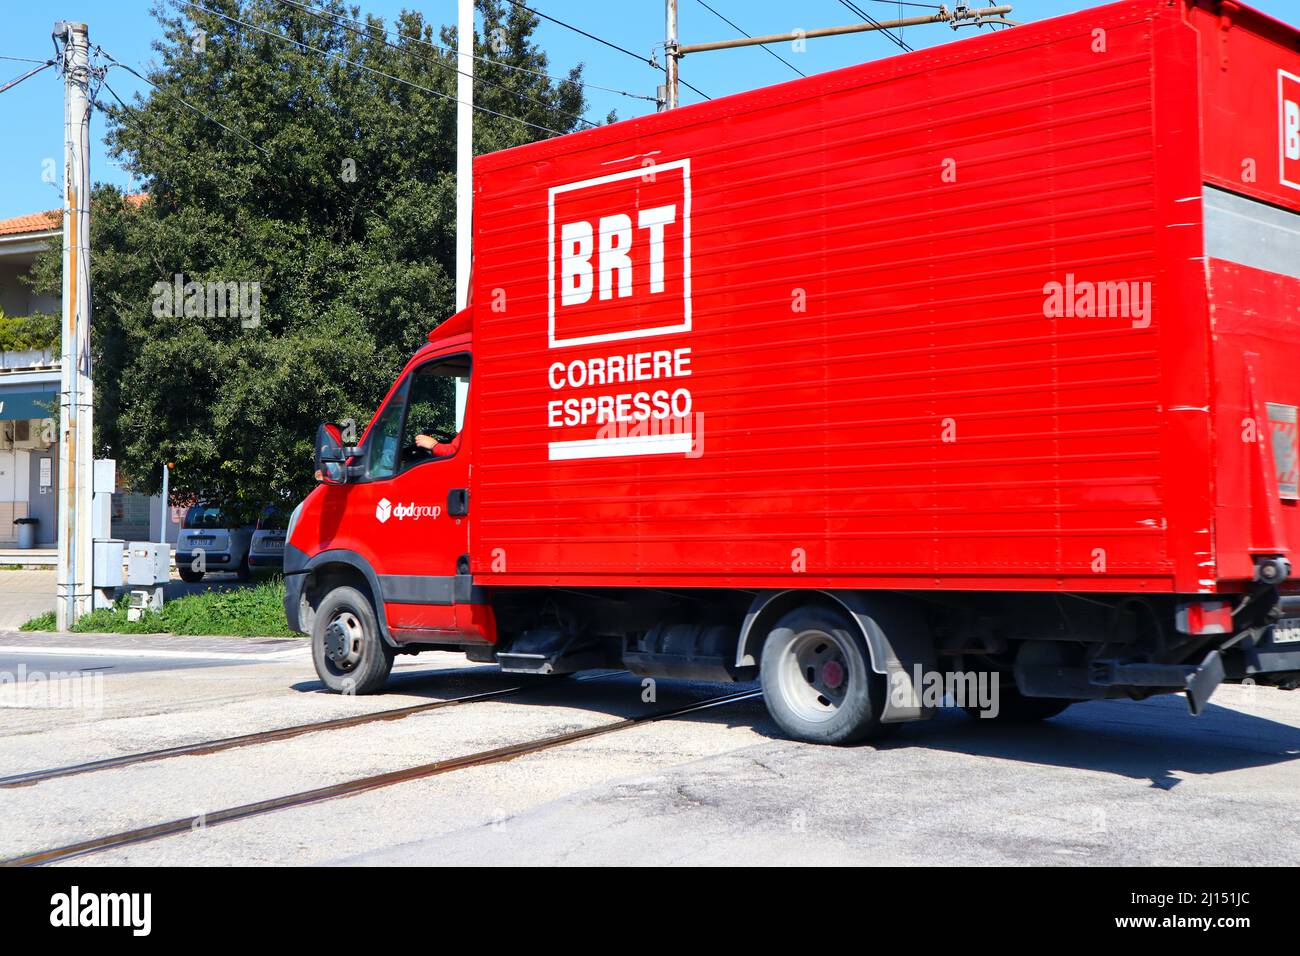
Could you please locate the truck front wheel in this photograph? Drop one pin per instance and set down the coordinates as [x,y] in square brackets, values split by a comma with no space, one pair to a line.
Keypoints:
[817,678]
[346,646]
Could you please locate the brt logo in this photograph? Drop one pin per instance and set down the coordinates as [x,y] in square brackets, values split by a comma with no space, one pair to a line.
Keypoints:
[1288,94]
[619,255]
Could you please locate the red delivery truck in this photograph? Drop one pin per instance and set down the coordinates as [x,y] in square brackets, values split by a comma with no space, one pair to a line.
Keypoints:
[983,359]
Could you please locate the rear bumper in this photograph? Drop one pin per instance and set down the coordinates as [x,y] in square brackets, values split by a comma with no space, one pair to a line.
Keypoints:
[265,561]
[186,558]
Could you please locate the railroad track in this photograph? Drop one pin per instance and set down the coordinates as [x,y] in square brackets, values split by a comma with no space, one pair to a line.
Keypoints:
[264,736]
[363,784]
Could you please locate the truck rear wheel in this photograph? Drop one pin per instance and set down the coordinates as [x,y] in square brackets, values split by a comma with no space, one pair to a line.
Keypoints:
[346,646]
[817,678]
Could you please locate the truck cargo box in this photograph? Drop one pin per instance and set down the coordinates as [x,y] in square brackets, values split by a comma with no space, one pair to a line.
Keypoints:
[1017,312]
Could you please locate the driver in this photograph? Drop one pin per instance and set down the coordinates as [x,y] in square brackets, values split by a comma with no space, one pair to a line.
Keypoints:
[437,448]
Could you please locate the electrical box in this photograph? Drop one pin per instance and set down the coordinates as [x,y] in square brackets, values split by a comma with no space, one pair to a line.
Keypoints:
[101,502]
[148,563]
[107,569]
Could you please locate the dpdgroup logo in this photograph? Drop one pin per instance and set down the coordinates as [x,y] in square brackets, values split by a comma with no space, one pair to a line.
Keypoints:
[1288,96]
[619,255]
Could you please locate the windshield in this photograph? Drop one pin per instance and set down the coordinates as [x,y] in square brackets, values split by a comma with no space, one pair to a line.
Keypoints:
[204,516]
[272,519]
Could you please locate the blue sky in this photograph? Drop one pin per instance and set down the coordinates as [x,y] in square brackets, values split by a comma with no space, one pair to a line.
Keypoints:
[32,113]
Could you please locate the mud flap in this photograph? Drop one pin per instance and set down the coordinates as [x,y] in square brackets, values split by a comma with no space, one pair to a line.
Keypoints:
[1203,681]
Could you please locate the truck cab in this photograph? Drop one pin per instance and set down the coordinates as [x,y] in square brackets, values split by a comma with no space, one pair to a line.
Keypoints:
[376,560]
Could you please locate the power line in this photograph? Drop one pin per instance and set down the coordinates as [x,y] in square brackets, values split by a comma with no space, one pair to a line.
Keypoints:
[368,69]
[23,59]
[487,59]
[30,73]
[868,18]
[132,112]
[765,48]
[211,119]
[329,18]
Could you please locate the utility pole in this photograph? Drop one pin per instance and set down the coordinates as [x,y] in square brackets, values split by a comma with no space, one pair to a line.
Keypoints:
[464,169]
[76,424]
[671,56]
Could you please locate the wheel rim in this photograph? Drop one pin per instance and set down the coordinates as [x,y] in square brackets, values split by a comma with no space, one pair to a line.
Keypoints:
[344,638]
[814,675]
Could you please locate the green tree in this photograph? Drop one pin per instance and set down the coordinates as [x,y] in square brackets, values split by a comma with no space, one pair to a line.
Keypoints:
[343,213]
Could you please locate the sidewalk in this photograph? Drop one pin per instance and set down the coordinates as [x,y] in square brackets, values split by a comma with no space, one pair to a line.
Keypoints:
[25,595]
[153,645]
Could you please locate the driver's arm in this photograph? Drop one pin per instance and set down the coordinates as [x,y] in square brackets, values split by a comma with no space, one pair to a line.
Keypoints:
[440,449]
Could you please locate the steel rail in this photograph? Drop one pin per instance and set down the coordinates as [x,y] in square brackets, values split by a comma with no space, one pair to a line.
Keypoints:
[361,784]
[204,747]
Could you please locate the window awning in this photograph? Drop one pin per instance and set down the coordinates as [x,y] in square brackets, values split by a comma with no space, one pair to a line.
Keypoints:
[29,402]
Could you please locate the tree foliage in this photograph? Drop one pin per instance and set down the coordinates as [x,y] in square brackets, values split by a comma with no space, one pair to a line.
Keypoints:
[345,218]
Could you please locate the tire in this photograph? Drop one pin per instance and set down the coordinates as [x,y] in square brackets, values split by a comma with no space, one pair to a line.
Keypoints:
[190,576]
[244,572]
[1015,708]
[817,678]
[354,659]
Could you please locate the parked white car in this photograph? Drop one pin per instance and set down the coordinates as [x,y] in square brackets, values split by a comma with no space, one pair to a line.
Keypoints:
[266,553]
[207,543]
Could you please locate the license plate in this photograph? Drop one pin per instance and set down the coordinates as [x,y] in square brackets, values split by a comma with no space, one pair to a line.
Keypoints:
[205,539]
[273,544]
[1287,631]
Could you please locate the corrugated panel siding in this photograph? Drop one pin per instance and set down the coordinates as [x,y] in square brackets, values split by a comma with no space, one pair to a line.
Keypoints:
[823,429]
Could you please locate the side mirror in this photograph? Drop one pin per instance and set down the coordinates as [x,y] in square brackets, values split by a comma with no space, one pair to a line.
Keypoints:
[331,455]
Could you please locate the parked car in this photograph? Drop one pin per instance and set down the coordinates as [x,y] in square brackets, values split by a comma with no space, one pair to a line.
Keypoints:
[206,531]
[266,552]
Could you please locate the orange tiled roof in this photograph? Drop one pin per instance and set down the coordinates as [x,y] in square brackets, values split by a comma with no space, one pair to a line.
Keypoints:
[32,222]
[52,219]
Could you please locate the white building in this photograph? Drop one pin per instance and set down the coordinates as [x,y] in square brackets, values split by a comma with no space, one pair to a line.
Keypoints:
[29,398]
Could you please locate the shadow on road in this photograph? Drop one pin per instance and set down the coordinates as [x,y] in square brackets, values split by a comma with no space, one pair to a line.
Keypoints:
[1151,740]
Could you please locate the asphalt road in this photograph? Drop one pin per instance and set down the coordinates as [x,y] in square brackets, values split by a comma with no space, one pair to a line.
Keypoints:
[1105,783]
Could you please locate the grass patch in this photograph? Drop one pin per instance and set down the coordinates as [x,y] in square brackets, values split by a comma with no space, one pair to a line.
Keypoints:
[256,611]
[42,622]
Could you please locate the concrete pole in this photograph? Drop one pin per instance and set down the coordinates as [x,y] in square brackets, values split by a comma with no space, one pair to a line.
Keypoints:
[166,511]
[76,425]
[464,169]
[464,148]
[670,53]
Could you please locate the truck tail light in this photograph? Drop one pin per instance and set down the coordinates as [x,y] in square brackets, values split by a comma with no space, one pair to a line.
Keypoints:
[1205,617]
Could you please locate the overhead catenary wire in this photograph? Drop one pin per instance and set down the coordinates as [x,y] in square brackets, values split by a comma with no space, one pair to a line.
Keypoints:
[868,18]
[487,59]
[325,17]
[369,69]
[614,46]
[766,49]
